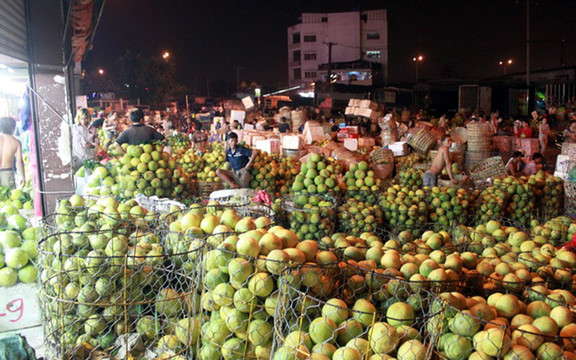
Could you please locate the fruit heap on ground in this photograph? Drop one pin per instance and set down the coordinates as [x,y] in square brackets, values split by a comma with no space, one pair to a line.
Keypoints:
[18,248]
[213,160]
[490,204]
[410,177]
[104,180]
[191,163]
[549,194]
[356,217]
[361,184]
[559,230]
[349,313]
[101,262]
[317,176]
[456,170]
[146,169]
[179,143]
[408,161]
[404,208]
[522,204]
[273,173]
[448,206]
[311,216]
[18,198]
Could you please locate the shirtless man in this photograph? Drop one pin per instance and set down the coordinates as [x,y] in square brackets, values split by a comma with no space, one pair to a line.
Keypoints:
[10,150]
[442,160]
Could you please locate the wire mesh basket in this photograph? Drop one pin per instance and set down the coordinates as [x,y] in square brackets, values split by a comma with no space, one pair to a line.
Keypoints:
[104,293]
[353,311]
[312,217]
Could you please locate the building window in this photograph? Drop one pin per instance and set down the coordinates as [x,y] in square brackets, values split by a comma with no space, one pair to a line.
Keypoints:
[371,36]
[296,55]
[364,17]
[310,74]
[296,38]
[324,19]
[311,56]
[297,74]
[309,38]
[373,54]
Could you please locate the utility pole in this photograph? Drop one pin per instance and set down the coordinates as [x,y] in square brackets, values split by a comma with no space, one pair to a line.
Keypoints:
[528,45]
[237,77]
[330,44]
[562,44]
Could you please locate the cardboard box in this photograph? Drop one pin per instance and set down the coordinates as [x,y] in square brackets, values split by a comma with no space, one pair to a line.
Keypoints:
[350,111]
[399,148]
[351,144]
[368,104]
[271,146]
[314,133]
[366,142]
[528,146]
[354,102]
[565,163]
[561,175]
[569,149]
[292,142]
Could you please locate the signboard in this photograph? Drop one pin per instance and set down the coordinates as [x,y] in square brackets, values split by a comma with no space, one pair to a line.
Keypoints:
[19,307]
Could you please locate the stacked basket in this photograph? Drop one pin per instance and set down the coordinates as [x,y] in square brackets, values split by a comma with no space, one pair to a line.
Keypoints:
[479,141]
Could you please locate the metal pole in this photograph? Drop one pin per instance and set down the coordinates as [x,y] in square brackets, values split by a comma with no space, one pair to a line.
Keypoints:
[528,43]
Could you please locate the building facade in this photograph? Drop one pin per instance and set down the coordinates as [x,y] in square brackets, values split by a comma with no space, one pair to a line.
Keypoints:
[351,46]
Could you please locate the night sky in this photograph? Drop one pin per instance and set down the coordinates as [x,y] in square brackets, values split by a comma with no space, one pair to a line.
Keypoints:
[459,38]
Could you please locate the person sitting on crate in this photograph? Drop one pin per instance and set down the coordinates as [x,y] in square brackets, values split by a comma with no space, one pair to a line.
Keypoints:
[441,161]
[534,165]
[240,159]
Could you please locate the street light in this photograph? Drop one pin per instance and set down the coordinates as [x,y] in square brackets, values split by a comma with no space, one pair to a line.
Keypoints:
[166,55]
[505,64]
[101,71]
[417,60]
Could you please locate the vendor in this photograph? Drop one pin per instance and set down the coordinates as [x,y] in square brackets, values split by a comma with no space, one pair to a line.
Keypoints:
[138,133]
[515,166]
[570,132]
[334,131]
[284,126]
[534,165]
[441,161]
[522,129]
[200,140]
[240,159]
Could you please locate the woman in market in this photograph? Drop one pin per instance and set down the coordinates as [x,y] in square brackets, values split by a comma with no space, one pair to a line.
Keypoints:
[522,129]
[543,133]
[515,166]
[84,139]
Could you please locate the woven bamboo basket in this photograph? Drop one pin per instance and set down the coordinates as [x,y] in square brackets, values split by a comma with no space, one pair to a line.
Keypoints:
[422,141]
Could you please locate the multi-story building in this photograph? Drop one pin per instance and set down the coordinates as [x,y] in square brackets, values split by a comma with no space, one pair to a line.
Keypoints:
[352,46]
